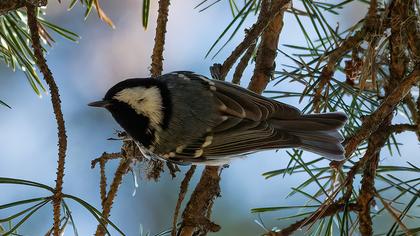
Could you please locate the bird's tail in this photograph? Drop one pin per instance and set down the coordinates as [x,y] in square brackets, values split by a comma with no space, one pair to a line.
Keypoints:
[318,133]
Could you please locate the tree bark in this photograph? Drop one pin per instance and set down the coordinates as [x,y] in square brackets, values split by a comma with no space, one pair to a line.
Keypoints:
[11,5]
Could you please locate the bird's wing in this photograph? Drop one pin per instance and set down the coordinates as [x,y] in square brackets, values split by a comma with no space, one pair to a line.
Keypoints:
[244,128]
[234,137]
[247,136]
[240,102]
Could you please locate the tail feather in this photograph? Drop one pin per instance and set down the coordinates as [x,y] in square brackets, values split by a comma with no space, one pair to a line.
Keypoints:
[318,133]
[331,150]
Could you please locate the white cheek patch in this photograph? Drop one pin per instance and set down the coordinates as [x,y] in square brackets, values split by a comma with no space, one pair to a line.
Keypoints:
[145,101]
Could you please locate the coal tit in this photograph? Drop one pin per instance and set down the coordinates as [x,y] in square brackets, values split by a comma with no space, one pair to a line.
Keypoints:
[187,118]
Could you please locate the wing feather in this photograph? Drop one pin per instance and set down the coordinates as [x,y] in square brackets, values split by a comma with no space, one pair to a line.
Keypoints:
[246,137]
[228,105]
[256,106]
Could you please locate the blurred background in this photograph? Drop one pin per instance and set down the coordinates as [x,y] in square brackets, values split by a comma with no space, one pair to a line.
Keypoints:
[104,56]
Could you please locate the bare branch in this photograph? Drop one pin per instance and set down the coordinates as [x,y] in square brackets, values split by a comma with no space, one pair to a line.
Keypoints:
[181,196]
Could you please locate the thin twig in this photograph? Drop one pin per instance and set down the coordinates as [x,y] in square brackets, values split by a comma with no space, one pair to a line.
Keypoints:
[393,214]
[102,184]
[157,56]
[411,105]
[243,63]
[56,104]
[333,58]
[113,189]
[181,196]
[254,32]
[105,157]
[399,128]
[173,169]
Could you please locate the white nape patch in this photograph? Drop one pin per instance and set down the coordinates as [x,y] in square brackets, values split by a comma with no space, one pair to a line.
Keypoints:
[145,101]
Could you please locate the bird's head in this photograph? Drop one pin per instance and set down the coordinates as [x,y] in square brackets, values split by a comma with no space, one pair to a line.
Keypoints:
[140,106]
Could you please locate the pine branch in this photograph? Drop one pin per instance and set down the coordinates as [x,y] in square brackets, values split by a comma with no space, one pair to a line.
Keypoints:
[102,160]
[195,219]
[181,196]
[373,121]
[376,142]
[56,103]
[399,128]
[113,189]
[371,27]
[157,56]
[267,52]
[264,18]
[332,209]
[13,5]
[243,63]
[394,215]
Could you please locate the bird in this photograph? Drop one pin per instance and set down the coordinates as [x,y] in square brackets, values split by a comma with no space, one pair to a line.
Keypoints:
[187,118]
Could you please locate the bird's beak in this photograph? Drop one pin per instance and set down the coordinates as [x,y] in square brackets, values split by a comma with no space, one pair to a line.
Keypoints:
[103,103]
